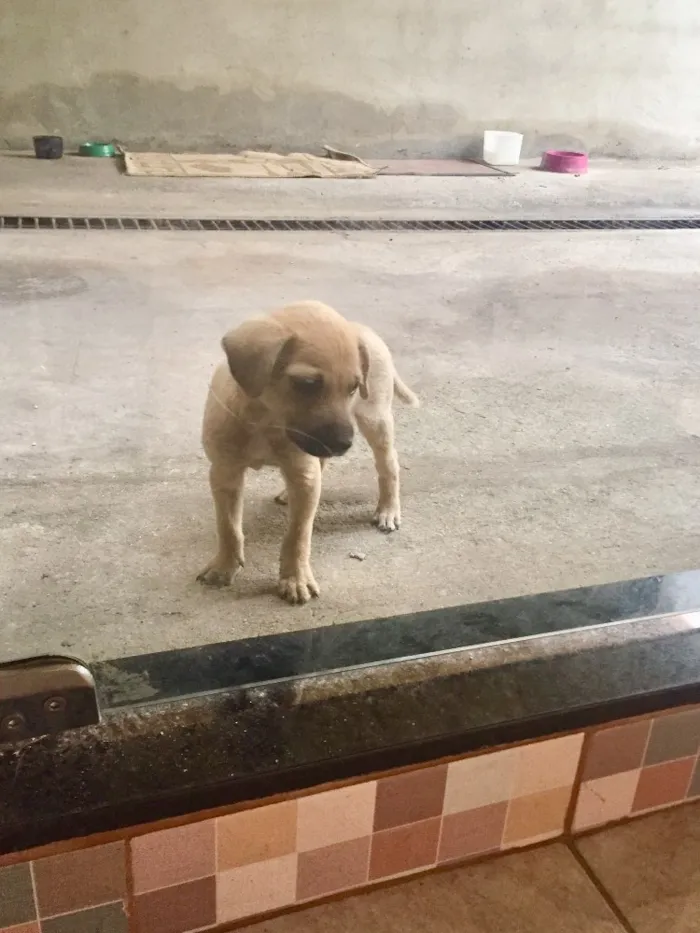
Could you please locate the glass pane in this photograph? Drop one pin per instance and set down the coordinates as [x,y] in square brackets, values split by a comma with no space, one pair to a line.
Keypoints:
[554,447]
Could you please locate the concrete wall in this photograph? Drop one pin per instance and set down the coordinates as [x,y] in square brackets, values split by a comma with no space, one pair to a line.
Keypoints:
[387,76]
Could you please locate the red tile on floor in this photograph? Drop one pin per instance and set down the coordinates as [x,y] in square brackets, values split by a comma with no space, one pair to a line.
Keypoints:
[406,848]
[662,785]
[410,797]
[472,832]
[77,880]
[613,751]
[24,928]
[335,868]
[179,909]
[173,856]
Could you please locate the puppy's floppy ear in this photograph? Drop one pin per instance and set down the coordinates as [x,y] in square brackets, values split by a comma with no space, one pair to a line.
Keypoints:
[364,361]
[257,353]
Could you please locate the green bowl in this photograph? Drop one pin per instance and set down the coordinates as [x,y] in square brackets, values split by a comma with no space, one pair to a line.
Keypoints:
[97,150]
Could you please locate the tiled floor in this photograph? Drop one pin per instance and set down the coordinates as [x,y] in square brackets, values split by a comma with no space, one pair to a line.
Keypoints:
[647,878]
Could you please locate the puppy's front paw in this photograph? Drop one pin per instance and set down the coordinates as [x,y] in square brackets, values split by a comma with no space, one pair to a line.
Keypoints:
[387,518]
[298,587]
[218,572]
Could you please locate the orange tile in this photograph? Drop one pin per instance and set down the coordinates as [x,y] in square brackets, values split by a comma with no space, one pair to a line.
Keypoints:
[24,928]
[80,879]
[256,835]
[173,856]
[547,765]
[472,832]
[662,785]
[605,799]
[256,888]
[404,849]
[410,797]
[536,817]
[335,868]
[335,816]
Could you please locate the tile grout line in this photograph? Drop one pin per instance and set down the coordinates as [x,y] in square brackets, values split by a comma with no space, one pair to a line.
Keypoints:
[577,783]
[35,895]
[617,911]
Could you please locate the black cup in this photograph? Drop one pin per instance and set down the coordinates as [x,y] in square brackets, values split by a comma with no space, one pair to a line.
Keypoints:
[48,147]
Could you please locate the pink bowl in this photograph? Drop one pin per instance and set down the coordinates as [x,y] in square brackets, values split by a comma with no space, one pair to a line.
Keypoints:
[559,160]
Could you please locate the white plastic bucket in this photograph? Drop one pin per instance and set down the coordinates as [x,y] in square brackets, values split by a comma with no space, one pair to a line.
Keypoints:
[502,147]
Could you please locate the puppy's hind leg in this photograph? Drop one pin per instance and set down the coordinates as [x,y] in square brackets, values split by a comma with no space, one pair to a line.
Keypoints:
[378,430]
[227,492]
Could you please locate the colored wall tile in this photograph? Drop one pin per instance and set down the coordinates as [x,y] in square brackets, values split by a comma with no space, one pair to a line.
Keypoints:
[335,868]
[335,816]
[110,918]
[676,735]
[16,895]
[548,765]
[177,909]
[472,832]
[664,784]
[605,799]
[410,797]
[478,782]
[256,835]
[77,880]
[256,888]
[615,750]
[404,849]
[536,817]
[173,856]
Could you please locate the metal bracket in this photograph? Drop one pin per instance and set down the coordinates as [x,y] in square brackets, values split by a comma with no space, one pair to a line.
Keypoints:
[45,695]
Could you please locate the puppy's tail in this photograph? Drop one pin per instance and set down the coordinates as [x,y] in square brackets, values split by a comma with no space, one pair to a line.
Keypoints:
[404,393]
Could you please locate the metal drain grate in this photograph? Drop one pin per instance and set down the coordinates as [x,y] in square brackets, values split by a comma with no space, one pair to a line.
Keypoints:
[338,224]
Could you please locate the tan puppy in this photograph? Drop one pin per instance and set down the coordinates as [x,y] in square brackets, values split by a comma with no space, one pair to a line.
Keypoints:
[296,385]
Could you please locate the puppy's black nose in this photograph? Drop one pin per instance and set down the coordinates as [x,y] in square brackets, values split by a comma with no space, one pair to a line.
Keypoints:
[336,438]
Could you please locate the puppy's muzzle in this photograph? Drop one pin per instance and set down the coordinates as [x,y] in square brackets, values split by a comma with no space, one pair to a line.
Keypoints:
[328,440]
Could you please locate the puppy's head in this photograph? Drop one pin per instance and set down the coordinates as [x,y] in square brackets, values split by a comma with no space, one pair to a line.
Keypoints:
[307,366]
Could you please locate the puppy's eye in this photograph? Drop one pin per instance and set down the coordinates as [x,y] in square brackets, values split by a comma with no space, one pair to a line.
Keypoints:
[307,385]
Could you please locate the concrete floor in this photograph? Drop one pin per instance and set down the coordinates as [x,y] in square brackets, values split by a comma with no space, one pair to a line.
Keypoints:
[75,187]
[558,444]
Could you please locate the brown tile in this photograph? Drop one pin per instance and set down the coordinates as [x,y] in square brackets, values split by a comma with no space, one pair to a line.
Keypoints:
[536,817]
[472,832]
[256,888]
[77,880]
[22,928]
[651,869]
[335,868]
[605,799]
[612,751]
[173,856]
[335,816]
[694,789]
[662,785]
[406,848]
[674,736]
[16,895]
[256,835]
[110,918]
[410,797]
[178,909]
